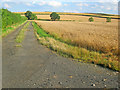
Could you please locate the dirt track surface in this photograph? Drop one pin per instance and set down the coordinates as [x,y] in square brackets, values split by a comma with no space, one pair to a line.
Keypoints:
[35,66]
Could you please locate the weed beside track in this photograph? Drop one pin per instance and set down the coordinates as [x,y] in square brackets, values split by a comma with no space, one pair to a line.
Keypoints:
[20,36]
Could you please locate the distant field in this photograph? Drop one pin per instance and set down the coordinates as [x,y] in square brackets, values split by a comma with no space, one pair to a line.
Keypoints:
[99,36]
[81,14]
[76,18]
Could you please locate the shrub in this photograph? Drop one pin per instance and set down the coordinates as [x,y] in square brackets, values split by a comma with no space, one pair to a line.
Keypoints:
[108,19]
[91,19]
[54,16]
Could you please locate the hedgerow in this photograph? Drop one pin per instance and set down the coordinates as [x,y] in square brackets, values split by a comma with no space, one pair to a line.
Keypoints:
[9,18]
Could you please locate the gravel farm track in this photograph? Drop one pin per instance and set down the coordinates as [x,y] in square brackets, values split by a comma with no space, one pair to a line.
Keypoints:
[35,66]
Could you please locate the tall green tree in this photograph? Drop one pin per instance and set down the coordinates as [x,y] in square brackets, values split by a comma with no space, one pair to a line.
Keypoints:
[30,15]
[54,16]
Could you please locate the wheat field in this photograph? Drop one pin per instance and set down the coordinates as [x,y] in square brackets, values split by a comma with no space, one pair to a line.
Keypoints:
[76,18]
[68,13]
[98,36]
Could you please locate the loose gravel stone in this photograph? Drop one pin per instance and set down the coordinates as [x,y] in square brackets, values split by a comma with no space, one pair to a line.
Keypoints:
[104,80]
[93,85]
[60,83]
[105,85]
[70,76]
[83,82]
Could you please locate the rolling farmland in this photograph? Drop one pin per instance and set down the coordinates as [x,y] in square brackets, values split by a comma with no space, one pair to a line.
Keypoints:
[67,53]
[76,18]
[77,14]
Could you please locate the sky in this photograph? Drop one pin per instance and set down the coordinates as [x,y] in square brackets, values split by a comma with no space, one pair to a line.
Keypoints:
[76,6]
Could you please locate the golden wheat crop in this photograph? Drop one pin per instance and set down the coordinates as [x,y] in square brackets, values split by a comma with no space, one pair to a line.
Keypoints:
[76,18]
[99,36]
[67,13]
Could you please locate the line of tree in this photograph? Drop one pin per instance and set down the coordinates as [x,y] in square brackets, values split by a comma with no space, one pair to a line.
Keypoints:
[9,18]
[30,15]
[91,19]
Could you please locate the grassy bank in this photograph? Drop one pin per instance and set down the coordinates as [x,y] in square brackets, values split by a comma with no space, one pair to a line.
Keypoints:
[21,34]
[79,54]
[9,18]
[10,29]
[10,21]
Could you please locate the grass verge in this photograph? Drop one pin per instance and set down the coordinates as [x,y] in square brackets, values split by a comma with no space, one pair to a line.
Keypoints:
[18,45]
[79,54]
[9,29]
[21,35]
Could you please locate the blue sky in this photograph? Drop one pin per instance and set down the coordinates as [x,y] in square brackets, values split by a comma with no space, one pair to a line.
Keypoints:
[76,6]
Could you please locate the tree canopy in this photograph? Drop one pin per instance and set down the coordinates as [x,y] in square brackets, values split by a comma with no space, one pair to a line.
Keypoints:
[91,19]
[108,19]
[30,15]
[54,16]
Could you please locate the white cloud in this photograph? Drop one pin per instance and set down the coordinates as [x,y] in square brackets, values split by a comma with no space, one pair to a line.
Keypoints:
[102,7]
[42,3]
[63,0]
[115,8]
[75,11]
[103,1]
[66,11]
[82,4]
[80,8]
[7,6]
[51,3]
[85,4]
[33,2]
[115,1]
[108,8]
[6,0]
[92,7]
[100,12]
[28,4]
[70,11]
[65,4]
[96,5]
[55,3]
